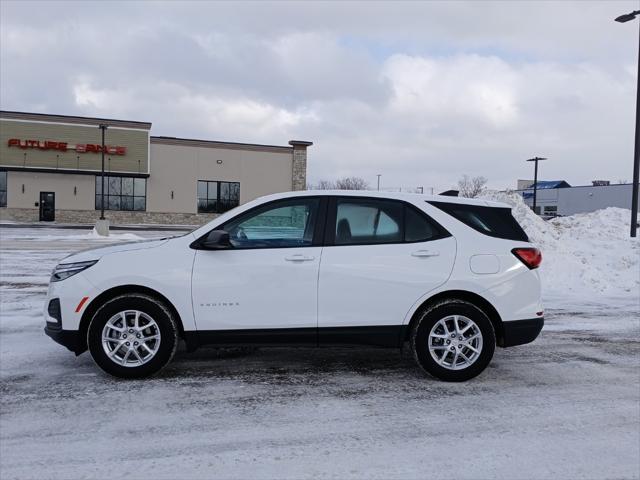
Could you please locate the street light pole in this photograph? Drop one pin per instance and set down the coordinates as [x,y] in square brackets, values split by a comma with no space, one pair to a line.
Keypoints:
[636,149]
[535,180]
[379,181]
[103,127]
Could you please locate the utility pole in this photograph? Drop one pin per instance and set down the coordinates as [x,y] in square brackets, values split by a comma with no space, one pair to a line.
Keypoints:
[103,127]
[379,181]
[636,149]
[535,180]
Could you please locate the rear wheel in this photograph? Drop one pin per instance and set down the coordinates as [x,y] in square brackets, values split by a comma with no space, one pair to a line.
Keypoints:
[132,336]
[453,340]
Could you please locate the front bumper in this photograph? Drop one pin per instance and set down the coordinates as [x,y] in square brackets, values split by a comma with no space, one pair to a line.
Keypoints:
[519,332]
[68,338]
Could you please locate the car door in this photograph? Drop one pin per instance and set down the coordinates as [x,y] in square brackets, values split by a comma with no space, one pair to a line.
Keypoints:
[268,279]
[380,257]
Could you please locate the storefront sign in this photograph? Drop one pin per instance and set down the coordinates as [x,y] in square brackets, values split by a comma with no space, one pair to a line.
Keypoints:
[64,146]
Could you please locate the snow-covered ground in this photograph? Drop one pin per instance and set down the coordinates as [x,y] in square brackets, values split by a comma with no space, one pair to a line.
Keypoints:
[565,406]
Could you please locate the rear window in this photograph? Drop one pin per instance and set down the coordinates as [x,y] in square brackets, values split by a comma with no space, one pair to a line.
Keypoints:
[493,221]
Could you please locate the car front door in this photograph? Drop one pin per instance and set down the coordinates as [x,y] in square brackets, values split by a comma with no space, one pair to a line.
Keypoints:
[381,257]
[266,283]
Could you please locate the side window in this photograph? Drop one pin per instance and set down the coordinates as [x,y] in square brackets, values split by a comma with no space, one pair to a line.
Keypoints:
[368,221]
[492,221]
[418,228]
[287,223]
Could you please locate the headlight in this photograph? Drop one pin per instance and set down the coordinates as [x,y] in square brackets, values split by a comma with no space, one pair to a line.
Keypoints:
[66,270]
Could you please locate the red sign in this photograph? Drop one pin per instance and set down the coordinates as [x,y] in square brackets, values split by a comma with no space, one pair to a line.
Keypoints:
[64,146]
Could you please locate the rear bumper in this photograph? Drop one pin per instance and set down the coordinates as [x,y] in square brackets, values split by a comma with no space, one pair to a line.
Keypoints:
[519,332]
[68,338]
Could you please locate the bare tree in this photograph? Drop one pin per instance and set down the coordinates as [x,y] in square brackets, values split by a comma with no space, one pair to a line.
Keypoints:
[471,187]
[351,183]
[324,185]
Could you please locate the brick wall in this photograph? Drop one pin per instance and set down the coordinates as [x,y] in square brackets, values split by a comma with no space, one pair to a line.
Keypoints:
[299,174]
[31,215]
[299,170]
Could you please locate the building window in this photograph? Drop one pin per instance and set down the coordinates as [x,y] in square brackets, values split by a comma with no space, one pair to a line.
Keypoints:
[122,193]
[3,189]
[217,197]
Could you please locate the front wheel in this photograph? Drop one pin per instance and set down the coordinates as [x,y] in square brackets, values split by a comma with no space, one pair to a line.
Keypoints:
[132,336]
[453,340]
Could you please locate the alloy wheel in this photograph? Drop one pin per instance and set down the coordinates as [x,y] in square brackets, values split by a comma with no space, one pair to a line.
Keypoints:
[131,338]
[455,342]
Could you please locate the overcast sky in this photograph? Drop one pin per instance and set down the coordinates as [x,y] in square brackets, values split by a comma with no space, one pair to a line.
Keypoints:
[420,92]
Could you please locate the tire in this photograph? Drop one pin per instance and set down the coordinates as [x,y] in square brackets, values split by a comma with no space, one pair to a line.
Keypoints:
[155,323]
[432,336]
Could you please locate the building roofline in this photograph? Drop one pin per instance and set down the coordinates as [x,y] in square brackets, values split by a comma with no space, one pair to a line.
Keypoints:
[300,143]
[600,186]
[191,142]
[73,171]
[530,189]
[46,117]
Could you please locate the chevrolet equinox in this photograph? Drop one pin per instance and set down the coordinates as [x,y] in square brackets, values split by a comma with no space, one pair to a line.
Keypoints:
[452,277]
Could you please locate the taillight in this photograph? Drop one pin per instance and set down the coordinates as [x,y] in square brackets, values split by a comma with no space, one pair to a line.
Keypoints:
[531,257]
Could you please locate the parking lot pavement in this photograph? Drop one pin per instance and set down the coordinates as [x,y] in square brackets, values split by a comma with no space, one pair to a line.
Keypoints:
[566,406]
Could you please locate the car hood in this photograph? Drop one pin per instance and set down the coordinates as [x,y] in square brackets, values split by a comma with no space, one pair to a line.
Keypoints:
[97,253]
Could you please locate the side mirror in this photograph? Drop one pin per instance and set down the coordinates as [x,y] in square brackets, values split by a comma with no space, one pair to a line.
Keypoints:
[216,240]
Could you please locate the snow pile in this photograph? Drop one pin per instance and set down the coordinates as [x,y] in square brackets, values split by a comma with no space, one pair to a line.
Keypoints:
[586,254]
[95,236]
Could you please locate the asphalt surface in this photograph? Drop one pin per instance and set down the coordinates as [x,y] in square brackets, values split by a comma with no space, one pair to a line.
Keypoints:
[565,406]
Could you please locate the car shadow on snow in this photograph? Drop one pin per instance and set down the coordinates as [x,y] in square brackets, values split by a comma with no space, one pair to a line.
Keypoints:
[318,366]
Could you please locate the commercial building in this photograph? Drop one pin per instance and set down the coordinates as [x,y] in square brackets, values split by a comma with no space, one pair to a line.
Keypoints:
[50,169]
[559,198]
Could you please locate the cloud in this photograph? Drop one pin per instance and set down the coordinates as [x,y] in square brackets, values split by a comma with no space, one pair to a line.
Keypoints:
[419,92]
[465,86]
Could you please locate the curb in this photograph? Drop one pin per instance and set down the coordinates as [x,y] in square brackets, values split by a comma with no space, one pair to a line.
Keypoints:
[168,228]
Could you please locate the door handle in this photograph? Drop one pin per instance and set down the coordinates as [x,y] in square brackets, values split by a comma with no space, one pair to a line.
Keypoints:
[425,253]
[298,258]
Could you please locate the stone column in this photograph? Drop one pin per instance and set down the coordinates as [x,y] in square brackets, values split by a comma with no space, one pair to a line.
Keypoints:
[299,170]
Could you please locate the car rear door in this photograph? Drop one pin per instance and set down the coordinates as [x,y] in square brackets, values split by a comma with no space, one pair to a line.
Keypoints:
[380,257]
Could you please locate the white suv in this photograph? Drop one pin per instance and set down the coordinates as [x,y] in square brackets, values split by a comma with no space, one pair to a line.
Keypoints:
[453,277]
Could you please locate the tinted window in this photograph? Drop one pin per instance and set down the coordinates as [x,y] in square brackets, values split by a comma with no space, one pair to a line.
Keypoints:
[207,197]
[418,227]
[127,186]
[493,221]
[364,221]
[113,185]
[140,187]
[217,197]
[121,193]
[229,195]
[287,223]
